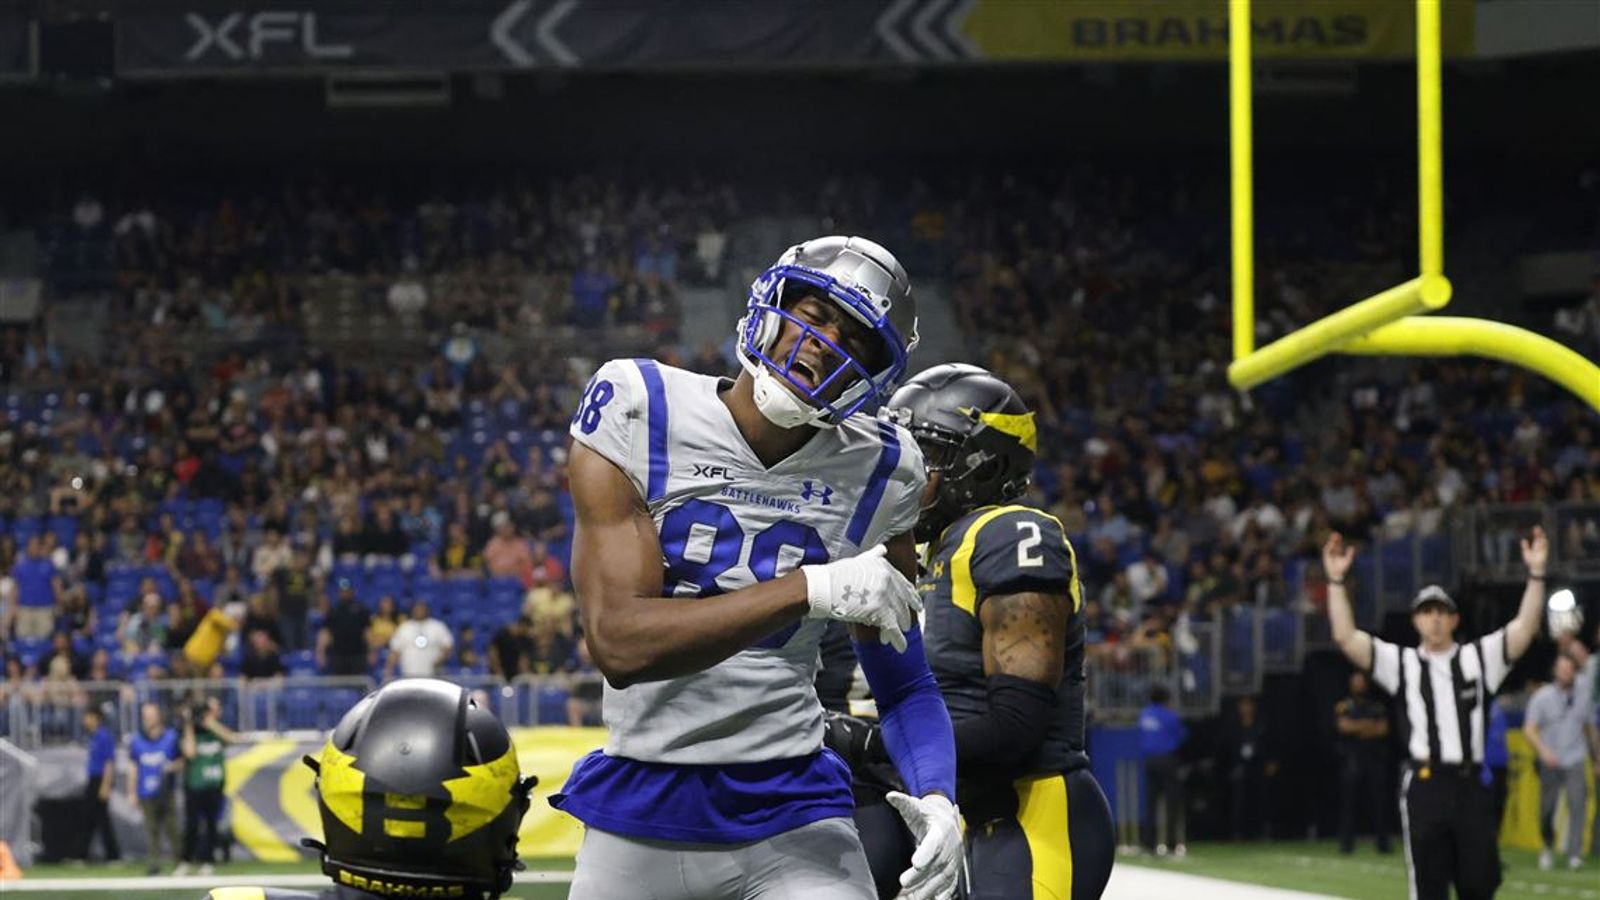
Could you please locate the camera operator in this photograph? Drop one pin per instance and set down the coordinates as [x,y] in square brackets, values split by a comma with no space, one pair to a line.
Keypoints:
[205,741]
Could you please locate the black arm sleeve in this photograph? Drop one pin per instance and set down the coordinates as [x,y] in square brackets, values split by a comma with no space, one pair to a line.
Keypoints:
[1019,714]
[838,670]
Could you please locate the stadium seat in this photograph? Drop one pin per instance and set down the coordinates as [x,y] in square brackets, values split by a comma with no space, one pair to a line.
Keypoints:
[504,595]
[463,593]
[347,570]
[428,589]
[552,705]
[338,701]
[30,650]
[25,527]
[65,528]
[1278,633]
[301,662]
[121,589]
[389,581]
[262,707]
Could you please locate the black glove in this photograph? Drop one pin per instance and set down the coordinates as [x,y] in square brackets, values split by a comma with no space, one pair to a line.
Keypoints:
[857,740]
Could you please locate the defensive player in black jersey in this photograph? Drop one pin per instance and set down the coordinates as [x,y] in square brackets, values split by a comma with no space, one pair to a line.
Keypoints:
[420,795]
[1004,636]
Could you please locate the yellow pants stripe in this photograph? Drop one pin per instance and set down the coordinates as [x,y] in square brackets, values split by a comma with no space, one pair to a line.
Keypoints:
[1042,813]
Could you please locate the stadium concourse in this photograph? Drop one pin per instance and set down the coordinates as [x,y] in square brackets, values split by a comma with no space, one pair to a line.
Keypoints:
[231,401]
[229,413]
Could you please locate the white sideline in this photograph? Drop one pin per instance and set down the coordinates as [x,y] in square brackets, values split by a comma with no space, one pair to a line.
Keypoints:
[1129,882]
[203,883]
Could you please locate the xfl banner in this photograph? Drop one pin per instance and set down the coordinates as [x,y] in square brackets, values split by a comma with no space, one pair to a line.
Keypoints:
[286,36]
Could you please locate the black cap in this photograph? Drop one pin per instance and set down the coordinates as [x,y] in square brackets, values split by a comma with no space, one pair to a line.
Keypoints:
[1433,594]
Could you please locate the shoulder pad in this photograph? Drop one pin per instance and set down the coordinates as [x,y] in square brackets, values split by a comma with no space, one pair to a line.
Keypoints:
[1012,550]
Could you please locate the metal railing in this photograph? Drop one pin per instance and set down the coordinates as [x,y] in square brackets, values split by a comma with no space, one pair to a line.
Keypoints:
[1188,664]
[38,714]
[1484,538]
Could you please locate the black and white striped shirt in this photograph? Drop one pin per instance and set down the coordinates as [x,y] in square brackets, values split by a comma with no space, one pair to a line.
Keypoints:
[1445,696]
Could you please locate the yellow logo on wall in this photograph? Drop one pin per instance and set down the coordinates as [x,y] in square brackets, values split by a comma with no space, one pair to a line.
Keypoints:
[272,805]
[1152,30]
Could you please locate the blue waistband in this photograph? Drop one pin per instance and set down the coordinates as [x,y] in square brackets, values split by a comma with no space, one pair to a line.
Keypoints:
[717,804]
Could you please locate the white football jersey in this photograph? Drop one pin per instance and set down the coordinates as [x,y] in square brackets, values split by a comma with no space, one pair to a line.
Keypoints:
[726,521]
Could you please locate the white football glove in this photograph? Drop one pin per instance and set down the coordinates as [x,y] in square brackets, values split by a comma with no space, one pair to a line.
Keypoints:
[866,590]
[938,864]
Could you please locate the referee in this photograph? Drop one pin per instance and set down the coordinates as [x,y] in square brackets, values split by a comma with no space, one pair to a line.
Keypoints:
[1446,802]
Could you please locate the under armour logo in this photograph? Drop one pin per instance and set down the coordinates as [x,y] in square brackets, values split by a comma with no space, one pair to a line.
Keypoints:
[808,493]
[853,595]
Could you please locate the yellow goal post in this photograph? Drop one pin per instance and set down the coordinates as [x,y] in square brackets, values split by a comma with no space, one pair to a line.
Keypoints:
[1391,322]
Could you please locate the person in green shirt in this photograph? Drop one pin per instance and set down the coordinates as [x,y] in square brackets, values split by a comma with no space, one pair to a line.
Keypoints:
[205,742]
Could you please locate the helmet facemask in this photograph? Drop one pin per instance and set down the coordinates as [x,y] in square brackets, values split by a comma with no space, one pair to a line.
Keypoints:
[790,400]
[973,471]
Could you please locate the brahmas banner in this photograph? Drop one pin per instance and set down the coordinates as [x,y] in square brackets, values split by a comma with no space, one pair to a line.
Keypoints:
[1176,30]
[272,807]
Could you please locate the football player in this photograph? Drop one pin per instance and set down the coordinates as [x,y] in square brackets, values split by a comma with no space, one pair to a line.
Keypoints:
[721,524]
[1005,638]
[420,795]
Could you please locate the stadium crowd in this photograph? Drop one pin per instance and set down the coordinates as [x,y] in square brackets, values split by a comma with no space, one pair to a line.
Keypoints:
[349,507]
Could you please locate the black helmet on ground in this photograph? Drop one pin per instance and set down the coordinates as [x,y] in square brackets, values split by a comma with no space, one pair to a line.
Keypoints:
[421,795]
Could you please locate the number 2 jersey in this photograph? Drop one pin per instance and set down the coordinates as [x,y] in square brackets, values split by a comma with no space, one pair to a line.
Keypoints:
[995,551]
[730,753]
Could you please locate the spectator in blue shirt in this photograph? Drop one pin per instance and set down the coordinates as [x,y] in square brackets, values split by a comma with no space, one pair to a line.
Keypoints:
[38,585]
[1161,736]
[154,751]
[97,792]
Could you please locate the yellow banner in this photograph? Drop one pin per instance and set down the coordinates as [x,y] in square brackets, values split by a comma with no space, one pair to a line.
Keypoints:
[1520,827]
[550,753]
[1197,30]
[273,806]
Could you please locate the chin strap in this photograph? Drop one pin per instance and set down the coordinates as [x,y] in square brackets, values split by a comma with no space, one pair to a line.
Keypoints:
[779,404]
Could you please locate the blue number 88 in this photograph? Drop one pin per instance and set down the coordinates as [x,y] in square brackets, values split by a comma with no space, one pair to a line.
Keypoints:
[595,397]
[778,549]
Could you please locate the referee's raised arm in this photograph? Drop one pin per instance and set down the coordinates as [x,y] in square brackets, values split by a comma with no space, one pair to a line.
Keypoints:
[1525,627]
[1356,644]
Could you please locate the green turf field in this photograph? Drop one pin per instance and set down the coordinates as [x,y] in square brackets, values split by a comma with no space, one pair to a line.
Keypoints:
[1318,867]
[1315,867]
[124,879]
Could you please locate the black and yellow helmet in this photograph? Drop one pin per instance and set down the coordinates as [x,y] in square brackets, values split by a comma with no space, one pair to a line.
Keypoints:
[975,431]
[421,795]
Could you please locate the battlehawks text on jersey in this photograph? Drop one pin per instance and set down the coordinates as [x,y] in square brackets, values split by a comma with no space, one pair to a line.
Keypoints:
[995,551]
[731,753]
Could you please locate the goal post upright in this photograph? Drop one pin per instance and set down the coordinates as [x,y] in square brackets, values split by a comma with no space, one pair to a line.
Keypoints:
[1386,323]
[1241,150]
